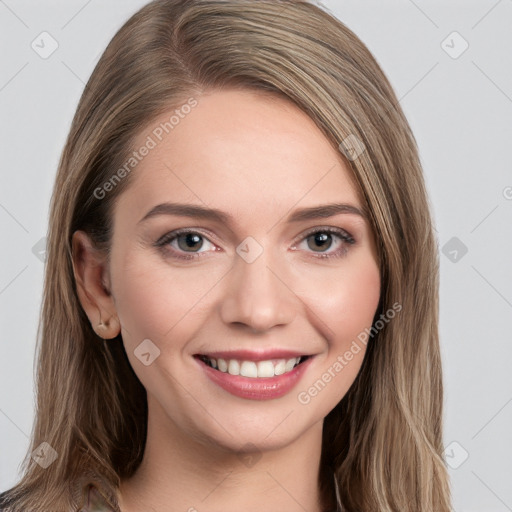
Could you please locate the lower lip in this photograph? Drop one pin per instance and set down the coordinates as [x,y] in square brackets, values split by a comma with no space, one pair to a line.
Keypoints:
[264,388]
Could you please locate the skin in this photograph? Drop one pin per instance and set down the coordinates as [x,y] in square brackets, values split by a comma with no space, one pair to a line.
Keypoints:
[257,158]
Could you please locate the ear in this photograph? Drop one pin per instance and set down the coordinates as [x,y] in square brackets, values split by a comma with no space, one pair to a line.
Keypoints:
[93,286]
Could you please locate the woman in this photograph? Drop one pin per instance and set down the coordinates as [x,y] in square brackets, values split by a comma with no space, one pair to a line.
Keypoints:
[292,361]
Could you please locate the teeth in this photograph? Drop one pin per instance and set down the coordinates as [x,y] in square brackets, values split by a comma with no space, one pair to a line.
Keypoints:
[265,369]
[280,368]
[249,369]
[252,369]
[234,367]
[288,367]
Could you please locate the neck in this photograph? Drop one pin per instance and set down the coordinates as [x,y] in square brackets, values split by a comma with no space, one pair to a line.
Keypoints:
[182,473]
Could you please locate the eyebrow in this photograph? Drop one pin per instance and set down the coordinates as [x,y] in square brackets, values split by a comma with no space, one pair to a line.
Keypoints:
[300,215]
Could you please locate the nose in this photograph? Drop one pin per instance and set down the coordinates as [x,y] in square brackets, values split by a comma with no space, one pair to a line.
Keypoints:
[257,295]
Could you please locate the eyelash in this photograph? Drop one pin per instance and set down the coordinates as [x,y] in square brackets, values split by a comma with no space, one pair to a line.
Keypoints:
[342,234]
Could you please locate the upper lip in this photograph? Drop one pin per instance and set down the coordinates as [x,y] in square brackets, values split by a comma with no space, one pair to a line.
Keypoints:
[254,355]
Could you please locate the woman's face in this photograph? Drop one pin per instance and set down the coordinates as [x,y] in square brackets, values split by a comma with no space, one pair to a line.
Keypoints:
[258,281]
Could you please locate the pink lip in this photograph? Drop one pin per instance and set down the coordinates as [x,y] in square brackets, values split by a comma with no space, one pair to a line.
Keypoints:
[255,388]
[253,355]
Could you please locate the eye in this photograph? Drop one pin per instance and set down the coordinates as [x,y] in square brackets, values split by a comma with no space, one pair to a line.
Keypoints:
[185,241]
[325,242]
[321,240]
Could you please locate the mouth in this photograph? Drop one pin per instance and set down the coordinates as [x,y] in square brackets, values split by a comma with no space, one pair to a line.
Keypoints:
[253,369]
[255,375]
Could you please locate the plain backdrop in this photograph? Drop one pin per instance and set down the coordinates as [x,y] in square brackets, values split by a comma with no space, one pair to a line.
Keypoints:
[450,64]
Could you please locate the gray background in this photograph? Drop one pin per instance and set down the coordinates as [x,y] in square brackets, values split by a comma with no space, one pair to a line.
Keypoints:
[459,105]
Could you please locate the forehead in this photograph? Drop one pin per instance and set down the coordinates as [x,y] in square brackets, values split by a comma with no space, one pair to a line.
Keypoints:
[239,148]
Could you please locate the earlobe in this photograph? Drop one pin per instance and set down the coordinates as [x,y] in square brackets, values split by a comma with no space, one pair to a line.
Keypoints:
[107,329]
[90,271]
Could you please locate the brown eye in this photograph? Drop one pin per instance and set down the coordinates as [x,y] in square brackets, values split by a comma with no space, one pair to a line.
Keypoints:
[189,241]
[327,242]
[321,240]
[185,244]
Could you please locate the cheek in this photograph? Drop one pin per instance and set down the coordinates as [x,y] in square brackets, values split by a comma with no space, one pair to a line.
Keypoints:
[346,308]
[155,301]
[346,299]
[357,300]
[139,299]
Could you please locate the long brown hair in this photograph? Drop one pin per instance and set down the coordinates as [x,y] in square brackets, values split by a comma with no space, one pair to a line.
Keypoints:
[383,441]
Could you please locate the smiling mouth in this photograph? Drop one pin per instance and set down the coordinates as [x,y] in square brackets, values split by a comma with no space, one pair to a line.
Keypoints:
[253,369]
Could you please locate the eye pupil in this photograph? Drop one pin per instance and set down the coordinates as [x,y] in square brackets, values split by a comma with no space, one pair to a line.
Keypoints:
[191,241]
[320,239]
